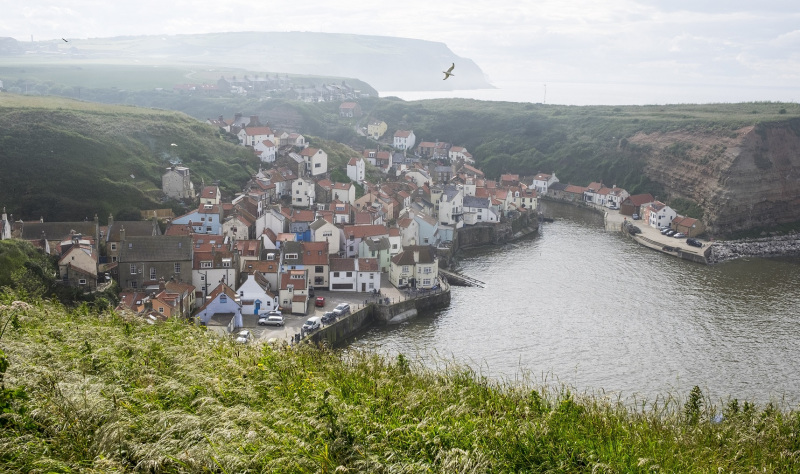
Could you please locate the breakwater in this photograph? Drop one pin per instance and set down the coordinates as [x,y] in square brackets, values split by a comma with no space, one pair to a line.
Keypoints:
[778,246]
[378,313]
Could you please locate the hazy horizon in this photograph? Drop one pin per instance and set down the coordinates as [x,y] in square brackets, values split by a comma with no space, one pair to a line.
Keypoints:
[699,53]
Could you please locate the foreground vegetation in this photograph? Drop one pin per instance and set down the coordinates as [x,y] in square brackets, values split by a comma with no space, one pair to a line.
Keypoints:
[98,392]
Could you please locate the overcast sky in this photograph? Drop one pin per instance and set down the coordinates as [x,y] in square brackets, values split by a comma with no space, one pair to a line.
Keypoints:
[750,50]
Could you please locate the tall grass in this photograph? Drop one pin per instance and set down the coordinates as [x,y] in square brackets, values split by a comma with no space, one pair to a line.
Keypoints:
[108,393]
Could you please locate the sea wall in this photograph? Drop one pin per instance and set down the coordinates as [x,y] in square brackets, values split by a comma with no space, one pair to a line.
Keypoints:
[344,328]
[779,246]
[509,229]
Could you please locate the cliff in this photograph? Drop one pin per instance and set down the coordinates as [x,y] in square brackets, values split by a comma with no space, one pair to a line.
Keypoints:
[743,179]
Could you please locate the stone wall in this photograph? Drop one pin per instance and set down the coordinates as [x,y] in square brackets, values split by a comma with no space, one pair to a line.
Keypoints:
[780,246]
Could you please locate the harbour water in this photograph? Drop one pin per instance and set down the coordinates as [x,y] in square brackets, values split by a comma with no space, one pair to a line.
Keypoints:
[594,311]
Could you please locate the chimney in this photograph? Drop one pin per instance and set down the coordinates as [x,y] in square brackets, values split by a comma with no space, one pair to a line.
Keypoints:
[122,234]
[110,222]
[161,284]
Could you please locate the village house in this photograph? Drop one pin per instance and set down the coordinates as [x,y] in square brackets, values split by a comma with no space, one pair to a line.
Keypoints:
[378,248]
[249,136]
[324,231]
[309,256]
[293,293]
[144,260]
[112,239]
[344,192]
[174,299]
[524,197]
[409,230]
[542,181]
[658,215]
[206,219]
[241,225]
[404,139]
[255,295]
[690,226]
[633,204]
[376,129]
[210,195]
[477,210]
[354,274]
[316,161]
[213,265]
[349,110]
[248,251]
[303,192]
[451,205]
[356,169]
[266,151]
[221,312]
[415,267]
[268,267]
[77,266]
[354,234]
[176,183]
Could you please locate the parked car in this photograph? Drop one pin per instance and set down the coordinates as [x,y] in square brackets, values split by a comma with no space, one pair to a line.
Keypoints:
[664,230]
[679,235]
[244,336]
[271,320]
[694,242]
[328,317]
[635,217]
[319,302]
[341,309]
[313,323]
[670,233]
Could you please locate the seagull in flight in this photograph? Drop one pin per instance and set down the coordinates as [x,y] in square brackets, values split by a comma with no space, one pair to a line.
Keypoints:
[449,72]
[65,40]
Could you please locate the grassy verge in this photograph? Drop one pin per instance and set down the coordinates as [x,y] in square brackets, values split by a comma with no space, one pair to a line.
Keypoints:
[103,393]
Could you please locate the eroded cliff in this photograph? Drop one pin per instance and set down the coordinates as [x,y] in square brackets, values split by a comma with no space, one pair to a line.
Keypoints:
[744,179]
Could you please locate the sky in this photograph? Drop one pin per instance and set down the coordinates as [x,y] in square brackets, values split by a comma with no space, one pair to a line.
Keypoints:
[559,51]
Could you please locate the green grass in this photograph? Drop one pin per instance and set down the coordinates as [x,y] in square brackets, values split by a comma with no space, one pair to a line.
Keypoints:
[106,393]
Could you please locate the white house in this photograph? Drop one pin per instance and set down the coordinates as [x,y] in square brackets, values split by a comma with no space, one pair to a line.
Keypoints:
[356,169]
[255,295]
[477,210]
[451,206]
[221,312]
[293,293]
[542,181]
[404,139]
[316,161]
[266,151]
[658,214]
[249,136]
[303,192]
[354,274]
[344,192]
[324,231]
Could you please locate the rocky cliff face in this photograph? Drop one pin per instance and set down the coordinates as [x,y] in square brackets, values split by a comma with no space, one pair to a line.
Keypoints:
[744,179]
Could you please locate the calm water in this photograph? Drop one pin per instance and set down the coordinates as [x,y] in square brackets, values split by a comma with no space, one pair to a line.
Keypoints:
[595,311]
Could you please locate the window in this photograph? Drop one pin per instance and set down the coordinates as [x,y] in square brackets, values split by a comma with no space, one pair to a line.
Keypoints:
[177,268]
[132,284]
[226,263]
[371,277]
[223,298]
[152,273]
[82,281]
[205,264]
[327,233]
[426,282]
[113,246]
[349,274]
[208,228]
[133,269]
[427,270]
[202,277]
[336,274]
[317,165]
[161,309]
[405,268]
[318,269]
[291,256]
[113,259]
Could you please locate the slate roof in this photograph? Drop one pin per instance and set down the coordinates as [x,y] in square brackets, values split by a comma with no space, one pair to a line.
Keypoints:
[56,230]
[474,201]
[406,257]
[132,229]
[163,248]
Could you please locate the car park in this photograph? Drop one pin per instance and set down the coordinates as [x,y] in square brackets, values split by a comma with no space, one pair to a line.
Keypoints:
[271,320]
[319,302]
[244,336]
[313,323]
[328,317]
[341,309]
[694,242]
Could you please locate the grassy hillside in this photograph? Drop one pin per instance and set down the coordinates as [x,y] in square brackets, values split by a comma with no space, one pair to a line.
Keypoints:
[96,392]
[67,160]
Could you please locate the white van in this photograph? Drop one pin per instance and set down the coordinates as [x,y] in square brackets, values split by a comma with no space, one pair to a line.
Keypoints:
[312,324]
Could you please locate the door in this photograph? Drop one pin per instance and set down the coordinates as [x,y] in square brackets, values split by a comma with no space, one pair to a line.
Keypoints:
[363,287]
[257,307]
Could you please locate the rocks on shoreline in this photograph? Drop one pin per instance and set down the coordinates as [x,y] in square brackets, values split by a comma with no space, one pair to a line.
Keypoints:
[780,246]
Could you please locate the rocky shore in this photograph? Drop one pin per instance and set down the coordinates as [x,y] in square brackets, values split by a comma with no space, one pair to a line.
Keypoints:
[779,246]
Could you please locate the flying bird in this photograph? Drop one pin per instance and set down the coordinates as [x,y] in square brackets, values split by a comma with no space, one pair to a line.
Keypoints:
[449,72]
[173,144]
[65,40]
